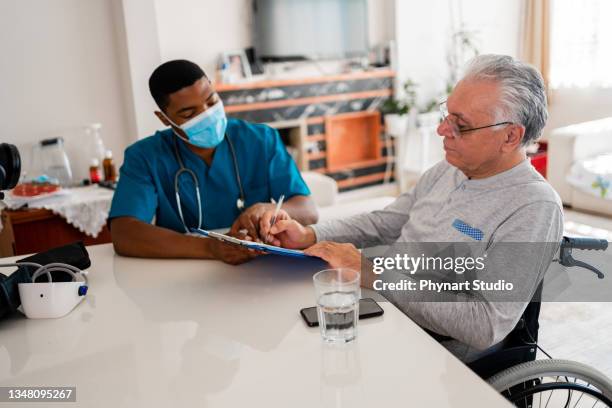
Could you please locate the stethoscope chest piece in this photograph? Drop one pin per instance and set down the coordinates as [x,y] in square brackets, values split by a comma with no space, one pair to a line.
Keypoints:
[240,204]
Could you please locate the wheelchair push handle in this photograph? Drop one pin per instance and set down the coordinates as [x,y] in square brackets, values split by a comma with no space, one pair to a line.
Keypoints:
[584,243]
[565,252]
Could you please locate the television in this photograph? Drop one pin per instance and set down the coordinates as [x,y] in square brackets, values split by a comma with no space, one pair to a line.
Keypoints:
[310,29]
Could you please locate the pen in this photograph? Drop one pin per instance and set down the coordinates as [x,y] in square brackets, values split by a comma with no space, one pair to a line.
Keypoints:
[276,210]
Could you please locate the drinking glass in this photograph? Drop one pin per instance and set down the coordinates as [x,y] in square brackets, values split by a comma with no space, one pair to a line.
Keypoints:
[338,292]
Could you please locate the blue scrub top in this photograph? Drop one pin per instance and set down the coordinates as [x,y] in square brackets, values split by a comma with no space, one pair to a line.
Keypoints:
[146,183]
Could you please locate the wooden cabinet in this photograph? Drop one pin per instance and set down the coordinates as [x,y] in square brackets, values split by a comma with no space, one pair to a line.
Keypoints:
[36,230]
[352,140]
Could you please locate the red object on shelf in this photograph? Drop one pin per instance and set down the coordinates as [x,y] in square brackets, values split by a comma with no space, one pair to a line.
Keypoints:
[540,159]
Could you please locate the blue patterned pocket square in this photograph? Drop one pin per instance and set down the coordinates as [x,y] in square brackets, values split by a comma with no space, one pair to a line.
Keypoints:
[468,230]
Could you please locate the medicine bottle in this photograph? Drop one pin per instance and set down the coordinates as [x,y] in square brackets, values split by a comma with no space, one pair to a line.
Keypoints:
[94,171]
[110,171]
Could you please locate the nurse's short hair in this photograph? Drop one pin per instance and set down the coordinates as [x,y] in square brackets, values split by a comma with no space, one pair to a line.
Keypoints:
[523,95]
[173,76]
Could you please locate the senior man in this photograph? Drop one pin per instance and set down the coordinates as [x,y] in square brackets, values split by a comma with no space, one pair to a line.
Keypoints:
[486,191]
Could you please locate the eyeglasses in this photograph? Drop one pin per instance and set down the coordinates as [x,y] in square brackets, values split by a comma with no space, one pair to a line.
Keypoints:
[457,130]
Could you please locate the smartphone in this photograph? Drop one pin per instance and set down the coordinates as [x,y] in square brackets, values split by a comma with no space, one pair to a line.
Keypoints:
[367,308]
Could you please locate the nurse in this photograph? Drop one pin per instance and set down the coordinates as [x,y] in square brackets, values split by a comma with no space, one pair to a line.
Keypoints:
[203,171]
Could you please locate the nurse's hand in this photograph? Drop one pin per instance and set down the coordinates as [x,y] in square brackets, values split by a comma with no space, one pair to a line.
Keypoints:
[291,234]
[249,220]
[232,254]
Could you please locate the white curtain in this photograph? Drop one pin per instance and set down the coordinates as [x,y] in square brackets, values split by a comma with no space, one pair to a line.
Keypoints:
[581,43]
[535,41]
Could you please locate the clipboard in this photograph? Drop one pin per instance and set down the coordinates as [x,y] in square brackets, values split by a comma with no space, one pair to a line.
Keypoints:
[258,246]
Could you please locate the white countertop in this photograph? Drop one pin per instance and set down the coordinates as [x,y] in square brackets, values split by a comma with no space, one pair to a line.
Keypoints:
[161,333]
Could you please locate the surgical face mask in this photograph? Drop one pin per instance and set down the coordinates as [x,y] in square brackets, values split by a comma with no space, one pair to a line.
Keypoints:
[207,129]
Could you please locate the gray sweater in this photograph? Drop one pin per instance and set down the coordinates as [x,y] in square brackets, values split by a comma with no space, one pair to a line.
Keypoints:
[516,206]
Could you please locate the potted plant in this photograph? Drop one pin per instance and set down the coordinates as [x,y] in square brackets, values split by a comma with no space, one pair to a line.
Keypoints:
[396,110]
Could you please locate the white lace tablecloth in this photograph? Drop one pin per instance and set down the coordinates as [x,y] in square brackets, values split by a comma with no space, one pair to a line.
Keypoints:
[86,208]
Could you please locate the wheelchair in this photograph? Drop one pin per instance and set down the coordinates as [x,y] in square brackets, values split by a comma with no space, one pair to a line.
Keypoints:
[514,371]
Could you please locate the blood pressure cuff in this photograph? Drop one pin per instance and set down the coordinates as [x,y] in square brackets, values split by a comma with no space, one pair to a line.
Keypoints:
[73,254]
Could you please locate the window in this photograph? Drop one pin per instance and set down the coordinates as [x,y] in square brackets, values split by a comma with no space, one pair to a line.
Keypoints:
[581,44]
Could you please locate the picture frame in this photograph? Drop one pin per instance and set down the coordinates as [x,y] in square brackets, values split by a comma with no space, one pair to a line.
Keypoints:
[238,67]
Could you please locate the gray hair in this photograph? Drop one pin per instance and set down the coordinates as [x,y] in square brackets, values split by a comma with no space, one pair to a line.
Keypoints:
[523,95]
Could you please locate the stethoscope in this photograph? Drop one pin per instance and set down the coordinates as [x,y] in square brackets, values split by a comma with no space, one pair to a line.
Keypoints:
[239,202]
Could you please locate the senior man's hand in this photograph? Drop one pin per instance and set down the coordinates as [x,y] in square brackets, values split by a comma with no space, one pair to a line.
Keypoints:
[265,224]
[344,256]
[291,234]
[337,255]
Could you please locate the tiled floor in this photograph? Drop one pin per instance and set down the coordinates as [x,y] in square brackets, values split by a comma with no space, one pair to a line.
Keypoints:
[581,331]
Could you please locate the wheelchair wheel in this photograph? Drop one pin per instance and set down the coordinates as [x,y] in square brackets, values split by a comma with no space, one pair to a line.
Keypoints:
[553,383]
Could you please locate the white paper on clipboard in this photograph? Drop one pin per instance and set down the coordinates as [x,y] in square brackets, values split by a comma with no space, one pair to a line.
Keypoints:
[258,246]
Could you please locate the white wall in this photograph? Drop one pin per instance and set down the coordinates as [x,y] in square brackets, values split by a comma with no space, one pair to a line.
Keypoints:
[423,32]
[381,21]
[200,30]
[139,54]
[58,71]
